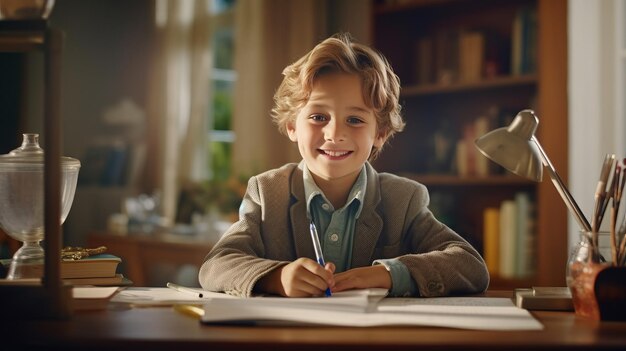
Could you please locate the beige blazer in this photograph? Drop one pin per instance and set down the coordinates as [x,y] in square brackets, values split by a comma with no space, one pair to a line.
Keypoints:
[395,222]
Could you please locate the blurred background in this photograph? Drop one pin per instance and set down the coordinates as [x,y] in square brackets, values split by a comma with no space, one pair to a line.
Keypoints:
[166,104]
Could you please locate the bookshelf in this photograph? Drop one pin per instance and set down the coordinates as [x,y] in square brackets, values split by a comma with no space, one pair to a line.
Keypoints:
[522,63]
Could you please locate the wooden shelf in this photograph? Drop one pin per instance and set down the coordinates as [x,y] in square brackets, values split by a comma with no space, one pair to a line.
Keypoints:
[490,83]
[381,7]
[457,181]
[436,112]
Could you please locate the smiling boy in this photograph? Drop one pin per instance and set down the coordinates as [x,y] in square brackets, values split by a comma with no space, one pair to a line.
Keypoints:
[339,104]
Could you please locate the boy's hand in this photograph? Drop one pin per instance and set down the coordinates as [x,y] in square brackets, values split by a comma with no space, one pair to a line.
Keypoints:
[300,278]
[362,278]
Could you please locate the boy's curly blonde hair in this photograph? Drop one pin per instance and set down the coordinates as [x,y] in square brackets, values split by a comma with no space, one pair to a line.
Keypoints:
[381,86]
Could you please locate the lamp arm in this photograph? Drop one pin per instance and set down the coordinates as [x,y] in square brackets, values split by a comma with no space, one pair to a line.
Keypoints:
[562,189]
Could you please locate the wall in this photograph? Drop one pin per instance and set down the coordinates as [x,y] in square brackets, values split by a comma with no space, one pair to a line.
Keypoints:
[105,59]
[597,125]
[353,16]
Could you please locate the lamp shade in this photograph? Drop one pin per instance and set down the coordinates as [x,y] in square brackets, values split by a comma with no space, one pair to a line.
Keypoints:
[514,147]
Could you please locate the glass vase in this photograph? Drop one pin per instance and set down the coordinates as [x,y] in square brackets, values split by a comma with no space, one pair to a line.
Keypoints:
[593,280]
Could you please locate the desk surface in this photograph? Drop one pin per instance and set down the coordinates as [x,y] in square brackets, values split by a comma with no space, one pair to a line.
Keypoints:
[162,328]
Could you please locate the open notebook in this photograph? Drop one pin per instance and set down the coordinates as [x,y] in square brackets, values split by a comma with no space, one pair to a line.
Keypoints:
[370,308]
[357,308]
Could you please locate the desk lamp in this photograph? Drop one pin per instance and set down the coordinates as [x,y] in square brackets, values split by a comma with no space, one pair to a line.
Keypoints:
[517,149]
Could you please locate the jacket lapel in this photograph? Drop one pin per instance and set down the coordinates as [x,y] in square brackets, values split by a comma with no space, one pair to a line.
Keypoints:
[297,213]
[369,225]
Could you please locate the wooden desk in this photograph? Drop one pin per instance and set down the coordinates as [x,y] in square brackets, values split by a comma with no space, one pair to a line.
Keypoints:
[123,328]
[140,251]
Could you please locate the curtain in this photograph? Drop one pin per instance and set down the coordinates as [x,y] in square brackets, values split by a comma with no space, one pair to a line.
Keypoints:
[269,36]
[178,99]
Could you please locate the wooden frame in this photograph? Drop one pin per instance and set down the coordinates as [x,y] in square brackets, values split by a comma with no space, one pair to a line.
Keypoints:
[51,299]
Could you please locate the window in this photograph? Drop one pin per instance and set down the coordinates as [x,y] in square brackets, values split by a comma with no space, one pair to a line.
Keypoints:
[222,82]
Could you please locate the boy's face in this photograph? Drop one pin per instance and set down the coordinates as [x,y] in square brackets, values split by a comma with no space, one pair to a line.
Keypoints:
[335,130]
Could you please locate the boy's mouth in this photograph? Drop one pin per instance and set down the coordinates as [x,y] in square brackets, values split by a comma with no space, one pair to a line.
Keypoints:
[335,154]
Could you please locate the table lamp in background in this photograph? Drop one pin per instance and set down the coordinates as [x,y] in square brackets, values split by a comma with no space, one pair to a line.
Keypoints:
[517,149]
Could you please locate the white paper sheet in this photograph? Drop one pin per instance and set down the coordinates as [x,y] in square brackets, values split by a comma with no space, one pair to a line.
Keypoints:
[93,292]
[161,296]
[466,313]
[355,300]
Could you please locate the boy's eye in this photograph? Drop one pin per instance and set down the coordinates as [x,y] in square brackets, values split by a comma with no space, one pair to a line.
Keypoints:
[355,120]
[318,118]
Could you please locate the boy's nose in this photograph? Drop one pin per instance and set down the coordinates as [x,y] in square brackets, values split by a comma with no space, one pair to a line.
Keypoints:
[334,131]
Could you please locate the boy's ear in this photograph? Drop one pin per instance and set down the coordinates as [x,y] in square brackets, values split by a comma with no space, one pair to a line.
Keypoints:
[381,138]
[291,131]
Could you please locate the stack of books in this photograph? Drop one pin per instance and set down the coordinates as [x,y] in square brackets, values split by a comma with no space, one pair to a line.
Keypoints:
[94,278]
[98,270]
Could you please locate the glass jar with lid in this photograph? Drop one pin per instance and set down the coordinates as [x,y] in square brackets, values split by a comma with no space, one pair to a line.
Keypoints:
[22,202]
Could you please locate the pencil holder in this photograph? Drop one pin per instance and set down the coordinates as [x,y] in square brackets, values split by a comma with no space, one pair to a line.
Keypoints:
[598,288]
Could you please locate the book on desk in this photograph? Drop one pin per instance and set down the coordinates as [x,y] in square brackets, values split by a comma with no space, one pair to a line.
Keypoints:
[544,298]
[100,270]
[96,266]
[116,280]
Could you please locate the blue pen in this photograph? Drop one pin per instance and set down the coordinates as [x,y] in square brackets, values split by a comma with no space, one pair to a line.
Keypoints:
[318,249]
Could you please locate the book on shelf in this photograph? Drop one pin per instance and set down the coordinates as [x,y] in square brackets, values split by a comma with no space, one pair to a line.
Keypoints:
[524,235]
[482,126]
[469,161]
[466,153]
[96,266]
[424,65]
[508,230]
[471,56]
[524,41]
[508,237]
[446,49]
[491,239]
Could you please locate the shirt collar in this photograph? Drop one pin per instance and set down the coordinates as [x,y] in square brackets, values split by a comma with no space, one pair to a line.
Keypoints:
[311,190]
